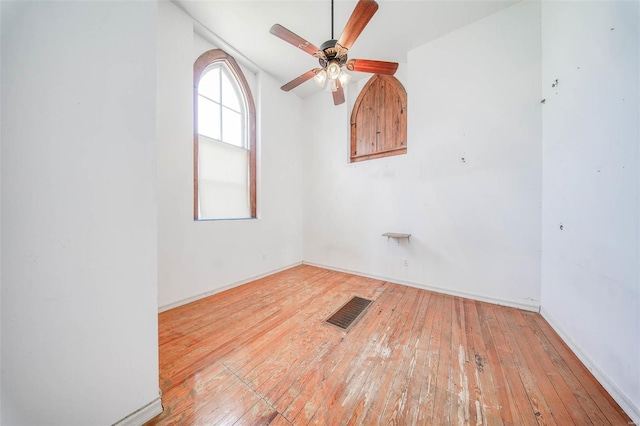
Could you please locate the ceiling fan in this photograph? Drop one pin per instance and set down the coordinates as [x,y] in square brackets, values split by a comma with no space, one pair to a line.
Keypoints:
[332,54]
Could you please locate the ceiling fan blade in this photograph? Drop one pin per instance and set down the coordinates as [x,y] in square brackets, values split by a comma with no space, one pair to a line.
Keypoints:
[360,17]
[338,95]
[292,38]
[375,67]
[299,80]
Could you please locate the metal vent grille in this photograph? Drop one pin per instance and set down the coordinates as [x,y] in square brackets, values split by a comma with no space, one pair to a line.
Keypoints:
[349,313]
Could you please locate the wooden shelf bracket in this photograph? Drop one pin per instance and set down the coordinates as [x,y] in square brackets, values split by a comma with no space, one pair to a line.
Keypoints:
[396,236]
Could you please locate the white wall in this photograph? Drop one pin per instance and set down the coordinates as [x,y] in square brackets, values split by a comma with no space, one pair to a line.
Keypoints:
[475,224]
[197,258]
[79,261]
[590,277]
[0,215]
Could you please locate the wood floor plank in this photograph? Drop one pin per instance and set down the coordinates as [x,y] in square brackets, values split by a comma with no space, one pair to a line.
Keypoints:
[315,347]
[394,409]
[385,363]
[408,410]
[581,394]
[533,366]
[260,413]
[211,350]
[531,374]
[599,396]
[500,355]
[227,407]
[482,372]
[366,362]
[246,358]
[181,403]
[292,335]
[280,421]
[541,357]
[262,354]
[470,402]
[442,406]
[428,388]
[363,367]
[231,331]
[186,319]
[387,359]
[329,392]
[307,384]
[411,409]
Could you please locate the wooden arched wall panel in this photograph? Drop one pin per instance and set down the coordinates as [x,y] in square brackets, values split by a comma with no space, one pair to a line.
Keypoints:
[379,119]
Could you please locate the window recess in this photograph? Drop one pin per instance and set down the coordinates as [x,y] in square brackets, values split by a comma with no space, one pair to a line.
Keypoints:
[224,140]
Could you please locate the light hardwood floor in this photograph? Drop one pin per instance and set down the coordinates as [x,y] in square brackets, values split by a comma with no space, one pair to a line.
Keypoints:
[261,353]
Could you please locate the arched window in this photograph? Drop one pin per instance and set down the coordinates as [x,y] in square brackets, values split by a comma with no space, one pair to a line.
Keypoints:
[224,139]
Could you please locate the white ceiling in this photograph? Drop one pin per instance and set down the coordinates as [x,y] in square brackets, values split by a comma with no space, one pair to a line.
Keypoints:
[396,28]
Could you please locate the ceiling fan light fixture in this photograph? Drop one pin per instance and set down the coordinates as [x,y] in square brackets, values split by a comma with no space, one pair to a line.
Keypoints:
[333,70]
[344,78]
[332,85]
[320,78]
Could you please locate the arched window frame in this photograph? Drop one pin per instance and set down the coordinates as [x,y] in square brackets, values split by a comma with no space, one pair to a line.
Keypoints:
[202,64]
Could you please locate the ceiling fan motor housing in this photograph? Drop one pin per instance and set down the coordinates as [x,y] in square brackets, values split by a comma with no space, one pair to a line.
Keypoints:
[332,52]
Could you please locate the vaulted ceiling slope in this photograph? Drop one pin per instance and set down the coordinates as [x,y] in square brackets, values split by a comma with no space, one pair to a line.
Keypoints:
[396,28]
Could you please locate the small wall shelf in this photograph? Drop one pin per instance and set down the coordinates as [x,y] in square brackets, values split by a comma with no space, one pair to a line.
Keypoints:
[396,236]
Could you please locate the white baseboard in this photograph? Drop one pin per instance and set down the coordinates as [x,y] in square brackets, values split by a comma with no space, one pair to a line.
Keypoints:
[143,415]
[618,395]
[510,303]
[224,288]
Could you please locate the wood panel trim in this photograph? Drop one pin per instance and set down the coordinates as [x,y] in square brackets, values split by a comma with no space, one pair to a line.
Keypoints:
[387,153]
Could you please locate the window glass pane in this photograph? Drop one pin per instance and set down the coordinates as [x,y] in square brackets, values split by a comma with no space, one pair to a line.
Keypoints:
[220,201]
[223,183]
[208,118]
[229,95]
[232,127]
[222,162]
[209,85]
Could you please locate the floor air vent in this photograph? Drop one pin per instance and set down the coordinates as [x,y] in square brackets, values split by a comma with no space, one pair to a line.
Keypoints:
[349,313]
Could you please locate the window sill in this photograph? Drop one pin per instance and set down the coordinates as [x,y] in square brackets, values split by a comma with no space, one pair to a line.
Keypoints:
[226,219]
[381,154]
